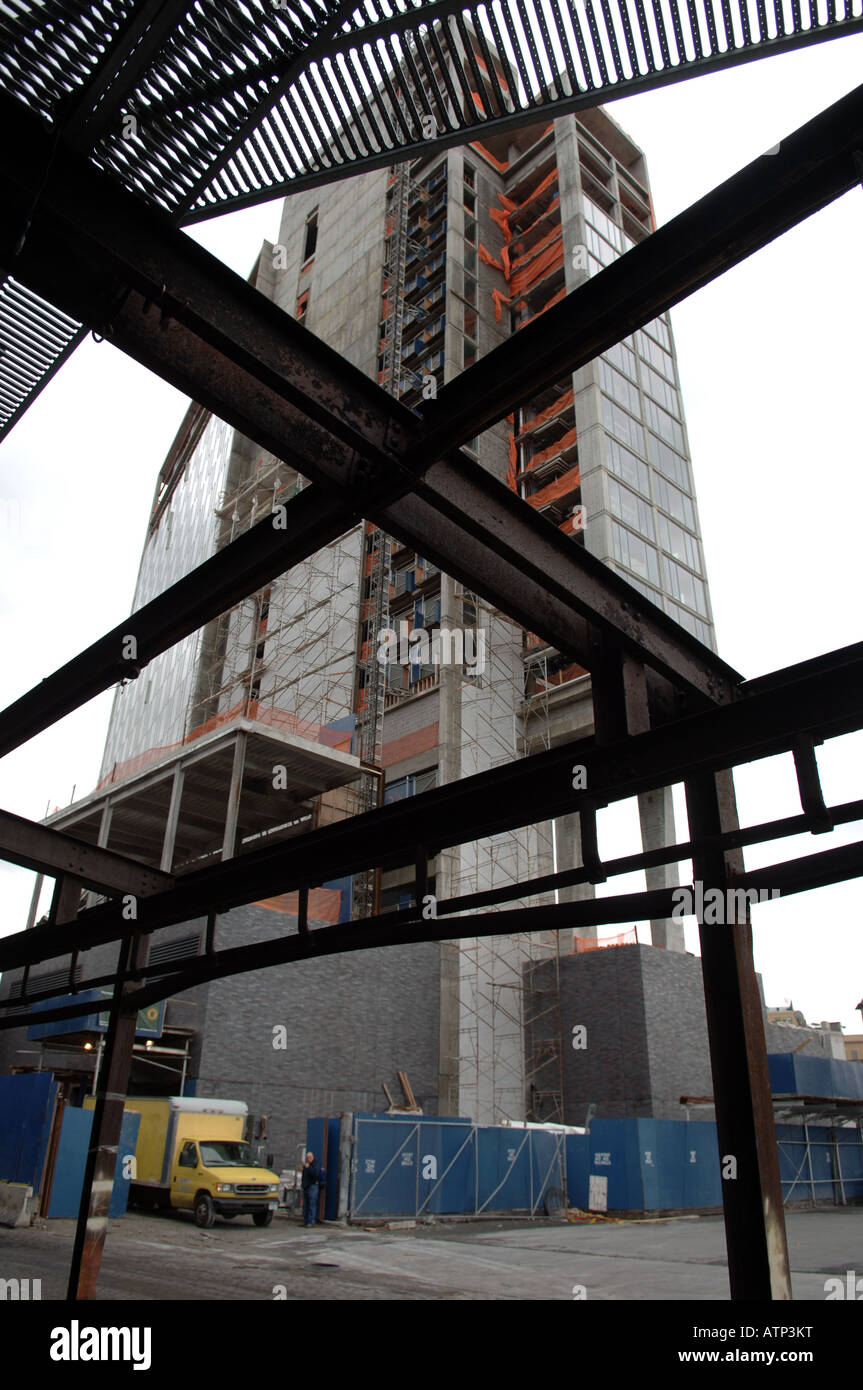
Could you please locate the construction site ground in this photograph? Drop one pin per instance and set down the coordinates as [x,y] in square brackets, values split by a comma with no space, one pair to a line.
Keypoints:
[165,1257]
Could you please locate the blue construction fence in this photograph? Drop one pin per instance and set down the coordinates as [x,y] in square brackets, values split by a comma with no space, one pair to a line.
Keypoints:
[792,1074]
[416,1166]
[28,1117]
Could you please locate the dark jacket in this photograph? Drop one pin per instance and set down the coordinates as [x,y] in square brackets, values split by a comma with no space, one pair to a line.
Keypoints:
[311,1175]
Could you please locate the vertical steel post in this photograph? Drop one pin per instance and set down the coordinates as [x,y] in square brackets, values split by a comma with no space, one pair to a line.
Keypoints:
[751,1186]
[105,1133]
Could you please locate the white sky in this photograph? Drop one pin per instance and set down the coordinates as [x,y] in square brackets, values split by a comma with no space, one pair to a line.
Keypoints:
[770,365]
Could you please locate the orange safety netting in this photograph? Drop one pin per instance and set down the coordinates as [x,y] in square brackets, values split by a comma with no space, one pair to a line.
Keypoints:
[246,709]
[555,299]
[488,259]
[565,442]
[588,943]
[538,263]
[513,455]
[501,164]
[324,904]
[568,673]
[558,488]
[556,408]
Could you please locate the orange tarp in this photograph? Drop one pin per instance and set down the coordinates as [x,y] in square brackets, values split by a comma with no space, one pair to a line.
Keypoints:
[556,448]
[587,943]
[513,457]
[559,488]
[556,408]
[324,904]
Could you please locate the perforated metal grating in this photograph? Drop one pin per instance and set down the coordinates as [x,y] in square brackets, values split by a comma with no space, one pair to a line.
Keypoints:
[204,107]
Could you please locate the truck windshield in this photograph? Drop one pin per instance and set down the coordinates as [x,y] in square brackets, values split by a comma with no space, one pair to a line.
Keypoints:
[225,1154]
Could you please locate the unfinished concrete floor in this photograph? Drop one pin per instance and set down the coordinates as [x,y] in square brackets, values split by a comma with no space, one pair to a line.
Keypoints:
[166,1257]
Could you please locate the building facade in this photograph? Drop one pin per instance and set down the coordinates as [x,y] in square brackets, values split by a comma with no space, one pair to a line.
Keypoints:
[251,730]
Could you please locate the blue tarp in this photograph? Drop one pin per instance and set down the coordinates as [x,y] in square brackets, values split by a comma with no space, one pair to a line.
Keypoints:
[26,1111]
[72,1158]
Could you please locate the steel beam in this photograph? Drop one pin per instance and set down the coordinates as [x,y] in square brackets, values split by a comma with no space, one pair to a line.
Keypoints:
[54,852]
[99,1170]
[215,337]
[312,520]
[408,927]
[525,792]
[809,169]
[751,1187]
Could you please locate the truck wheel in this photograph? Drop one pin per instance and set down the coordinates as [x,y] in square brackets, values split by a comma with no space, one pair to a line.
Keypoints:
[205,1212]
[262,1218]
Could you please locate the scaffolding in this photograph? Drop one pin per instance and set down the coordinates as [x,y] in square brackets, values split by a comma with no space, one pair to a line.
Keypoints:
[511,1045]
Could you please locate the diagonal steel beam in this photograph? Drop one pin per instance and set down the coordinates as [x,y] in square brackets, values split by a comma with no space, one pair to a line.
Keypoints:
[37,847]
[312,521]
[526,792]
[809,169]
[179,311]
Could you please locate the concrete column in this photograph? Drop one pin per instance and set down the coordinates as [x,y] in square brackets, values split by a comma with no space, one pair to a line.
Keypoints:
[167,860]
[233,810]
[448,864]
[656,813]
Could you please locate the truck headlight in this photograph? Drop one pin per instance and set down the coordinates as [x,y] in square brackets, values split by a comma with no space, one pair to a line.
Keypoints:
[224,1187]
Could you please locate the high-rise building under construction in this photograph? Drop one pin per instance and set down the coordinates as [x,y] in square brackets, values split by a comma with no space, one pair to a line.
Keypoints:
[280,716]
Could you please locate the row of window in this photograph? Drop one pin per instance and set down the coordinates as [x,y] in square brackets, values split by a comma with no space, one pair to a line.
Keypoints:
[620,381]
[636,554]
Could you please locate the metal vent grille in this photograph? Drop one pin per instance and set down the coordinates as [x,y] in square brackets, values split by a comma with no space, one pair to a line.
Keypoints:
[174,950]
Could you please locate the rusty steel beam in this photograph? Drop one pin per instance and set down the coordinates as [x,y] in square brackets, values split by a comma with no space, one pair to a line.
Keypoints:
[179,311]
[825,701]
[749,1162]
[103,1148]
[57,853]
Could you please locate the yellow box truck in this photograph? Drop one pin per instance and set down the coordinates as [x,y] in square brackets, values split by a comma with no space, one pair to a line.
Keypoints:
[190,1155]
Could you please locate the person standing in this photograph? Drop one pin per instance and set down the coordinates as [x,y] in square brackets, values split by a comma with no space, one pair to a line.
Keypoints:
[311,1189]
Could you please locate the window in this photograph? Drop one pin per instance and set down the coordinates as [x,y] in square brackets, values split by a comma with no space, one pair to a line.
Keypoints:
[470,175]
[665,425]
[634,553]
[673,501]
[690,622]
[412,785]
[658,329]
[658,387]
[684,586]
[626,466]
[311,236]
[470,290]
[603,224]
[669,463]
[679,543]
[631,509]
[469,352]
[615,384]
[470,260]
[622,357]
[617,422]
[302,306]
[470,203]
[655,355]
[470,230]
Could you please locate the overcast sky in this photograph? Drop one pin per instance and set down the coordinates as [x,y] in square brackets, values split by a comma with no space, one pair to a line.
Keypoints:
[770,365]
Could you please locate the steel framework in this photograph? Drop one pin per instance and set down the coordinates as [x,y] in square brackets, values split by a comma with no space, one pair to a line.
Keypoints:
[128,133]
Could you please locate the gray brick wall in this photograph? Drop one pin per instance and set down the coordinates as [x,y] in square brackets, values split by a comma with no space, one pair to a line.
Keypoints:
[352,1022]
